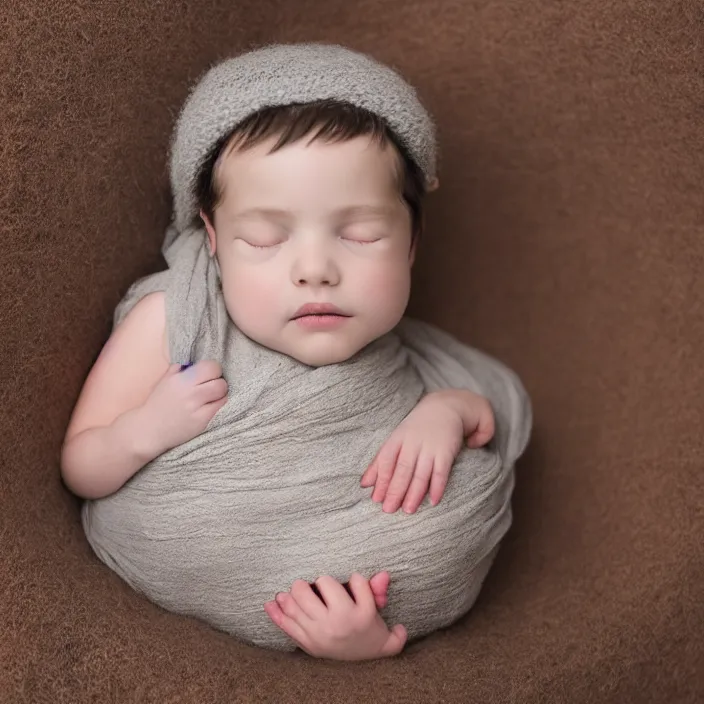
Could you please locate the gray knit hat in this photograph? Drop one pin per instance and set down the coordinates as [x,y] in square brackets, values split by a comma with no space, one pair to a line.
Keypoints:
[281,75]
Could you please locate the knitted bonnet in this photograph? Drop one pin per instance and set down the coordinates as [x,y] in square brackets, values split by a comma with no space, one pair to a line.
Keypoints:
[281,75]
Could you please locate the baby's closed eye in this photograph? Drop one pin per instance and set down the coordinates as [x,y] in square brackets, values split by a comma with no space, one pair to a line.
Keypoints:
[261,235]
[362,233]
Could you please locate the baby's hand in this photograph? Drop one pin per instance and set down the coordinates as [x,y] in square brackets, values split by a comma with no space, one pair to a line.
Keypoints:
[337,625]
[419,454]
[182,404]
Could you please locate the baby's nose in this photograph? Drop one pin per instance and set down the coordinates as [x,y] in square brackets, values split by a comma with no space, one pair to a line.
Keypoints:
[315,268]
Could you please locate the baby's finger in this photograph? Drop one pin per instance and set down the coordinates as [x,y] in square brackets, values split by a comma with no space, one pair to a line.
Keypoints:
[396,641]
[211,391]
[369,477]
[288,625]
[419,484]
[333,593]
[362,592]
[388,456]
[306,599]
[379,584]
[403,473]
[290,607]
[486,426]
[204,371]
[207,412]
[438,481]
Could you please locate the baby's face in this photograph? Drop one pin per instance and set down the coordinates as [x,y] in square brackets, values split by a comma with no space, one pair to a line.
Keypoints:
[308,225]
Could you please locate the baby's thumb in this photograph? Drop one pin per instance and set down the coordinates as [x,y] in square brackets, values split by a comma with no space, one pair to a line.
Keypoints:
[396,641]
[477,440]
[483,433]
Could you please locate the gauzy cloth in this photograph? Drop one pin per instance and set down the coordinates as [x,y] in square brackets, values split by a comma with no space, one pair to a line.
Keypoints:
[270,492]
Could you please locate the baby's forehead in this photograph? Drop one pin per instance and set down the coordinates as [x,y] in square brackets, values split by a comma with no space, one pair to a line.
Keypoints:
[311,158]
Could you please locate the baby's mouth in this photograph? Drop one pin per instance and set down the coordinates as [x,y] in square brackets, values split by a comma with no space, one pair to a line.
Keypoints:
[319,317]
[319,310]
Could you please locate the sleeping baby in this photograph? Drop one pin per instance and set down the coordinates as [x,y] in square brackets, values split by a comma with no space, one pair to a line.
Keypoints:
[251,394]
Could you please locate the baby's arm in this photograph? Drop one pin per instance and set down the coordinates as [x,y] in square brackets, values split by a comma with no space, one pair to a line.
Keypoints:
[475,412]
[105,442]
[134,406]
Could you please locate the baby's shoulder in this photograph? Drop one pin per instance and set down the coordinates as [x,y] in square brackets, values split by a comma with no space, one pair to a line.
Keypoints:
[148,309]
[146,298]
[152,307]
[144,325]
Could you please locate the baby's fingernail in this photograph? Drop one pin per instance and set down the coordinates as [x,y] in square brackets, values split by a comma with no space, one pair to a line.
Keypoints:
[279,597]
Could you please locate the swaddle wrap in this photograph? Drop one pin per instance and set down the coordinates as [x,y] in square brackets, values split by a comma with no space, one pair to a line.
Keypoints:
[270,492]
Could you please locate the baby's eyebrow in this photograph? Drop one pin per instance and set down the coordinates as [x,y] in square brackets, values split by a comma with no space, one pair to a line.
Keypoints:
[266,213]
[350,211]
[365,210]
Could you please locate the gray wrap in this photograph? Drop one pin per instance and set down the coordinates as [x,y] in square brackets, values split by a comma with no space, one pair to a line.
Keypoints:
[270,492]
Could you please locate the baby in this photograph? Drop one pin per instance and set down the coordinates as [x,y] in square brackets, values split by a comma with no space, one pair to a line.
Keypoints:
[311,213]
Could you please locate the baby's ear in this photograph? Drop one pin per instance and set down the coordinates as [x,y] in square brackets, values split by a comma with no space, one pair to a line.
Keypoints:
[414,247]
[211,232]
[433,184]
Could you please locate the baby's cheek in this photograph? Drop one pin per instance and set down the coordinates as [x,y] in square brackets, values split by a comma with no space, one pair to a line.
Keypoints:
[388,290]
[250,299]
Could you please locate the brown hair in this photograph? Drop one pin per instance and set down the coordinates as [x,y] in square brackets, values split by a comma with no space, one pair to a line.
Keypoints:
[329,120]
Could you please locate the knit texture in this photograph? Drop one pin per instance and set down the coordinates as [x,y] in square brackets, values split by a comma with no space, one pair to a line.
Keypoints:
[282,75]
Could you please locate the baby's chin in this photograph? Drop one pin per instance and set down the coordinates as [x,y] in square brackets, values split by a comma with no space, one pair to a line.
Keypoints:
[318,349]
[322,353]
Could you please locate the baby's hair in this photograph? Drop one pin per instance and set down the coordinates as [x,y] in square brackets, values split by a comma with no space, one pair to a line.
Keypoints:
[329,120]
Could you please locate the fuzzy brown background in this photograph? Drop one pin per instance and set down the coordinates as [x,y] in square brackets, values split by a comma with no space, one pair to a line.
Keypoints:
[566,239]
